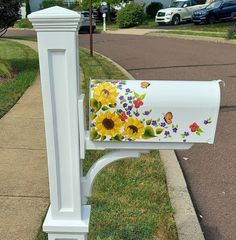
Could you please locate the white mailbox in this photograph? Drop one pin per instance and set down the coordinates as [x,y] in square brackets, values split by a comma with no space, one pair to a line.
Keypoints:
[154,111]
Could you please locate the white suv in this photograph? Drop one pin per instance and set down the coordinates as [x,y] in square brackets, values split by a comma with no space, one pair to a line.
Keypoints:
[179,11]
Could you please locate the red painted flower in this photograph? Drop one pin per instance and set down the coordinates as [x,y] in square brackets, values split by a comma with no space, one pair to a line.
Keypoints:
[194,127]
[123,116]
[138,102]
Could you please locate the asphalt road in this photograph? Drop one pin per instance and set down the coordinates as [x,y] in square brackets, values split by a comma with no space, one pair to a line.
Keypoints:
[210,170]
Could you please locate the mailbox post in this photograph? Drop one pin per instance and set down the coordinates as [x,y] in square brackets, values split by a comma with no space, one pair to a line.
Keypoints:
[57,33]
[132,116]
[104,21]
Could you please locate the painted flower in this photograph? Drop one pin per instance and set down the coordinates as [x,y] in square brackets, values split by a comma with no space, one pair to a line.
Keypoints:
[186,134]
[175,130]
[123,116]
[133,128]
[130,98]
[138,102]
[154,122]
[105,93]
[108,123]
[163,124]
[167,133]
[194,127]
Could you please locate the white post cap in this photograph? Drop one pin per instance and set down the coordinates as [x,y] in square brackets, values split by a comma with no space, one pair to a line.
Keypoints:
[55,19]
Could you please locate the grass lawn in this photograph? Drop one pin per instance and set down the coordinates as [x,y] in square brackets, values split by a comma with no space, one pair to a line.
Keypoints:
[109,26]
[21,63]
[208,30]
[130,199]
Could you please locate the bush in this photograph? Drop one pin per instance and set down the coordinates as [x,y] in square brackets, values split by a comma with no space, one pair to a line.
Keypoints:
[153,8]
[23,23]
[131,15]
[51,3]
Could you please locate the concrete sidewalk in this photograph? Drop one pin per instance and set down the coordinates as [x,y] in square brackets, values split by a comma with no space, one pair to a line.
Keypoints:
[23,167]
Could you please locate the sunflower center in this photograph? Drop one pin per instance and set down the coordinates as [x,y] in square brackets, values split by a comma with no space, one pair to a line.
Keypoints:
[133,128]
[108,123]
[105,92]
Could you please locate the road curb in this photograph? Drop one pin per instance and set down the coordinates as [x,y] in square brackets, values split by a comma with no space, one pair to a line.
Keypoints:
[187,223]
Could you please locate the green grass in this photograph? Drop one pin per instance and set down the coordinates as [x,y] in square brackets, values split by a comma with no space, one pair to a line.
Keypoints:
[27,38]
[23,62]
[217,30]
[109,27]
[130,199]
[23,23]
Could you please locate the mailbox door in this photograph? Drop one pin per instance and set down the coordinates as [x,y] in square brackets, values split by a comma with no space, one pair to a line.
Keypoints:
[154,111]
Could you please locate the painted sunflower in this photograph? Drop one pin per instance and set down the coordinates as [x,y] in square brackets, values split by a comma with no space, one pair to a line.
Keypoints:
[105,93]
[133,128]
[108,124]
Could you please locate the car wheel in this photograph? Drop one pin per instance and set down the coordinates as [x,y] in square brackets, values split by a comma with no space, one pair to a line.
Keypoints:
[211,20]
[176,20]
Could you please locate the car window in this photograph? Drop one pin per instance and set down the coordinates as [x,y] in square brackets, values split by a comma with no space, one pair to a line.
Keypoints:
[194,3]
[178,4]
[229,4]
[214,5]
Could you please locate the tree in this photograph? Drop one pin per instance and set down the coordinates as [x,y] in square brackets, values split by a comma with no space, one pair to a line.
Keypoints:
[9,12]
[97,4]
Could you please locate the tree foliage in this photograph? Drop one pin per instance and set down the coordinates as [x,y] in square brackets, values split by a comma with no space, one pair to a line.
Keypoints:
[9,12]
[131,15]
[153,8]
[51,3]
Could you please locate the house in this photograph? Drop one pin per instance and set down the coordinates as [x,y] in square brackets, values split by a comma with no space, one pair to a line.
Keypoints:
[35,4]
[165,3]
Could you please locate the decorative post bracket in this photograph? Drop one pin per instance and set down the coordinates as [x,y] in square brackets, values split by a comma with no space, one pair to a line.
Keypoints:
[87,181]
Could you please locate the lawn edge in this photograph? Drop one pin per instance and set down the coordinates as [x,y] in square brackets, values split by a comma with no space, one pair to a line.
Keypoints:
[188,226]
[190,37]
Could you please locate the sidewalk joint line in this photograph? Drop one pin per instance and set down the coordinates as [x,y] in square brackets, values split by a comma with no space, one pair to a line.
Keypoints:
[23,196]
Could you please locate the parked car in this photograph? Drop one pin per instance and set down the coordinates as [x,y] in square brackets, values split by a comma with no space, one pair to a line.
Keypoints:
[215,12]
[85,23]
[179,11]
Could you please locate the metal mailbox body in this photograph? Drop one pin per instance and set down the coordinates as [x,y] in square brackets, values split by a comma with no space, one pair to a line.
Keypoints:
[154,111]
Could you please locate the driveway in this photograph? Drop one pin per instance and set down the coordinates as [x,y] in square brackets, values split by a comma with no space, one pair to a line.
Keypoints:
[209,169]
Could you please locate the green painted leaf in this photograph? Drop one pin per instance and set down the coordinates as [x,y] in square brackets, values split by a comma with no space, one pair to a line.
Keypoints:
[158,120]
[136,94]
[93,116]
[95,104]
[111,105]
[199,130]
[159,130]
[98,136]
[143,96]
[148,133]
[148,122]
[93,134]
[103,138]
[198,133]
[104,108]
[118,138]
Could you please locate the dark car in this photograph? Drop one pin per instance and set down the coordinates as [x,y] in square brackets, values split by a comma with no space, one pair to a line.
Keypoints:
[215,12]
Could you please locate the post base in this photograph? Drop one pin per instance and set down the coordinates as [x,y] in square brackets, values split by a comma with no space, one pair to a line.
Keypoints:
[67,229]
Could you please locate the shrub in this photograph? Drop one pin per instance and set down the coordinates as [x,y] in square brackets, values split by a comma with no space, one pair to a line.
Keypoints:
[153,8]
[131,15]
[51,3]
[232,32]
[23,23]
